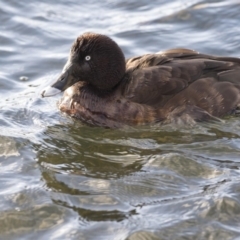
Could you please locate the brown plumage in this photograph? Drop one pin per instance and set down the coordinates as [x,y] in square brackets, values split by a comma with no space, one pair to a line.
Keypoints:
[103,89]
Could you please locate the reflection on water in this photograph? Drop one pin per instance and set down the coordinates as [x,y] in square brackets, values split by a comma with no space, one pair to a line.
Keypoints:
[61,179]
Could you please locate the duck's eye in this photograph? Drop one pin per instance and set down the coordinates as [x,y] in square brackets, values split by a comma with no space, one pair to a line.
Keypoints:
[87,58]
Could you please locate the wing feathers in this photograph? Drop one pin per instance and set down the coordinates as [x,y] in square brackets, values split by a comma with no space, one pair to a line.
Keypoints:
[153,78]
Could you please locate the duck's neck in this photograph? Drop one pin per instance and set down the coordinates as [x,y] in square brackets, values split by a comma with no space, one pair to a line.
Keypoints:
[96,91]
[104,91]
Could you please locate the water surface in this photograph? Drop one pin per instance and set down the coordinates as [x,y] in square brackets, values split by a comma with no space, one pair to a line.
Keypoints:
[61,179]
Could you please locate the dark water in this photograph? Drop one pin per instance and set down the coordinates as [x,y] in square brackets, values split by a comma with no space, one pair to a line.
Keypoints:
[60,179]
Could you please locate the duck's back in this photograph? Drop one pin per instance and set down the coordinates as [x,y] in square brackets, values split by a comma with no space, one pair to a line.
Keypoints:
[182,83]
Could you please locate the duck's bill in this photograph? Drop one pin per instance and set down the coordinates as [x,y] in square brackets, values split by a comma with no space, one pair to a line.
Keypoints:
[64,81]
[50,91]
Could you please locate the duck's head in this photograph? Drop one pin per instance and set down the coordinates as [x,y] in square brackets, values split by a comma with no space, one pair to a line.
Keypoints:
[95,59]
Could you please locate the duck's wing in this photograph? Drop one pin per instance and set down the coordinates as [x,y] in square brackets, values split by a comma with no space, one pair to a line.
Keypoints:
[155,78]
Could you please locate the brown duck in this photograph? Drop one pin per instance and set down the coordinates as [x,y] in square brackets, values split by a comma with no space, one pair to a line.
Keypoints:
[177,85]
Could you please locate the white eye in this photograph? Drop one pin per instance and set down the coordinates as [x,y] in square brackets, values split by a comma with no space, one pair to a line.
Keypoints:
[87,58]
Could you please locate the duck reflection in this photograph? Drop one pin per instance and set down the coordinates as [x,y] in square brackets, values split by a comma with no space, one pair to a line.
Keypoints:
[80,167]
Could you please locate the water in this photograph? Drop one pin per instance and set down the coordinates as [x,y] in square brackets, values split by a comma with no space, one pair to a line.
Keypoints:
[61,179]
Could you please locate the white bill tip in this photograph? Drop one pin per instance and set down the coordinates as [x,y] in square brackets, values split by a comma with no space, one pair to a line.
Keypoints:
[50,91]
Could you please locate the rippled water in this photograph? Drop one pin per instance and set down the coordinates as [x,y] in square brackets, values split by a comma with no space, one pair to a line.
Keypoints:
[61,179]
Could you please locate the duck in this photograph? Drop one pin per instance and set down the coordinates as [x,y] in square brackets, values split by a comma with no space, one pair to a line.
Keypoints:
[101,88]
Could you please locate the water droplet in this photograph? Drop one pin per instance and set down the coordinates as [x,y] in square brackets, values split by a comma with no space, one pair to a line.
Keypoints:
[23,78]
